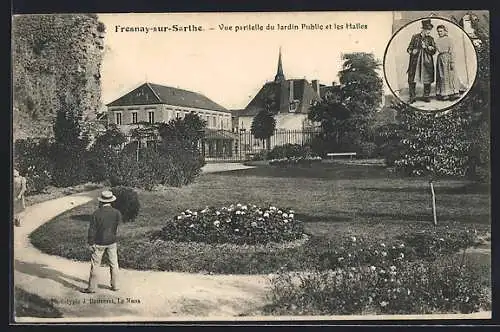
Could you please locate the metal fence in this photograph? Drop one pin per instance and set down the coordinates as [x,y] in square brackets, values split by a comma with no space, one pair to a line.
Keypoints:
[243,146]
[227,146]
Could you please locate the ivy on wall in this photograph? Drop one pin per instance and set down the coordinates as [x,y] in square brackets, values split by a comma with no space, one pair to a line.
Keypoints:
[54,55]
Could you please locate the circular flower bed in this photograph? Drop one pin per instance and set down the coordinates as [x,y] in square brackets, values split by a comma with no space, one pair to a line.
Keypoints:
[239,224]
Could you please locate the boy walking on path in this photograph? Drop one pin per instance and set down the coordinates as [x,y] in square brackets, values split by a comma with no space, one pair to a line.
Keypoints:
[102,239]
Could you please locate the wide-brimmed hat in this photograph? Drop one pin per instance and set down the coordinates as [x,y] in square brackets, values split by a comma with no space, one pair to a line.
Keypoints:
[427,25]
[106,197]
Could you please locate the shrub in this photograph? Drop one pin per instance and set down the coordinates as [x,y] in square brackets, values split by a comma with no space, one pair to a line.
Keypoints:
[392,152]
[127,202]
[31,159]
[300,161]
[430,244]
[411,246]
[184,165]
[444,286]
[261,155]
[104,153]
[367,150]
[289,151]
[176,166]
[240,224]
[37,183]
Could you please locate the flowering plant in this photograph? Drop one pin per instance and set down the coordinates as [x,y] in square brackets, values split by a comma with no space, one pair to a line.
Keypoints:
[295,161]
[361,275]
[236,223]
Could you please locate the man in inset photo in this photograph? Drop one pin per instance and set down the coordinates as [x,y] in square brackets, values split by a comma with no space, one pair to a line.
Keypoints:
[421,65]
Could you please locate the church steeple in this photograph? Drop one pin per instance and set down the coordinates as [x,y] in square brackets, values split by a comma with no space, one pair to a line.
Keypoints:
[279,73]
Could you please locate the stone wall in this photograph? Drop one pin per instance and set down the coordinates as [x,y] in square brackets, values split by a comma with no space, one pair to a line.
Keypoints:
[55,56]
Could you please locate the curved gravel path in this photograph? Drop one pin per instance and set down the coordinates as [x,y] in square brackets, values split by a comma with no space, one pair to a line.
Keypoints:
[143,295]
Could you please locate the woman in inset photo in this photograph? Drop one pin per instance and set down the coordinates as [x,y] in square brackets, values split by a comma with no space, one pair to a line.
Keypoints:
[447,83]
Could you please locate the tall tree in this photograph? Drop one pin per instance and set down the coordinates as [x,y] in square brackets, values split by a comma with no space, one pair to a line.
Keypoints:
[362,90]
[70,143]
[264,124]
[333,119]
[345,123]
[187,131]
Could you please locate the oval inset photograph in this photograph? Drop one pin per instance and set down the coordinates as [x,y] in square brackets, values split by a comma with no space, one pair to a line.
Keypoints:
[430,64]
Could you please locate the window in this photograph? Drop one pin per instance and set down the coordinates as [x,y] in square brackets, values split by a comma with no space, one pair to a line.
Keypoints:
[134,117]
[177,115]
[118,118]
[151,116]
[292,107]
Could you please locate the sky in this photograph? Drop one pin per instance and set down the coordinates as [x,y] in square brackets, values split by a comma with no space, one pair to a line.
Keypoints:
[231,66]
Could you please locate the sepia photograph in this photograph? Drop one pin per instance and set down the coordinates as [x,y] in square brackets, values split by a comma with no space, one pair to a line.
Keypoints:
[430,64]
[273,166]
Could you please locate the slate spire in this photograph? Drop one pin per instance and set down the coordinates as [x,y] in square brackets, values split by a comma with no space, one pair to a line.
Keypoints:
[279,73]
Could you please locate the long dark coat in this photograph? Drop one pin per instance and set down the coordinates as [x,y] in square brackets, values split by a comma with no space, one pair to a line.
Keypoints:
[421,65]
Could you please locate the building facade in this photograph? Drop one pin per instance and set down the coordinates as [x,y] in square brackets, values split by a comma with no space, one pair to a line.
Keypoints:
[154,103]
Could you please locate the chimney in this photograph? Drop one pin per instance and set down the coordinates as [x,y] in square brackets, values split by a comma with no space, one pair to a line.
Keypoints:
[291,91]
[315,85]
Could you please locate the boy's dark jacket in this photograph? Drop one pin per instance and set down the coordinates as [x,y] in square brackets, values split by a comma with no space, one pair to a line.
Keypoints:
[103,226]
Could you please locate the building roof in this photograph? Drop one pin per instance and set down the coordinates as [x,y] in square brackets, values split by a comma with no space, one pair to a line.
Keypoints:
[281,93]
[278,95]
[150,93]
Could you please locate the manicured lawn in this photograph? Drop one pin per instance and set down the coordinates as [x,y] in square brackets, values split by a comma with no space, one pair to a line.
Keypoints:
[333,200]
[31,305]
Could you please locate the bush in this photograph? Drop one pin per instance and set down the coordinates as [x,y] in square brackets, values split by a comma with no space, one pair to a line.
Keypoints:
[290,151]
[431,244]
[31,159]
[127,202]
[367,150]
[240,224]
[444,286]
[104,153]
[411,246]
[70,168]
[36,184]
[184,165]
[301,161]
[261,155]
[176,167]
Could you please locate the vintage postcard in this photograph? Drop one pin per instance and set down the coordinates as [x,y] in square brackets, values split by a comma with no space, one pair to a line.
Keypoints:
[251,166]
